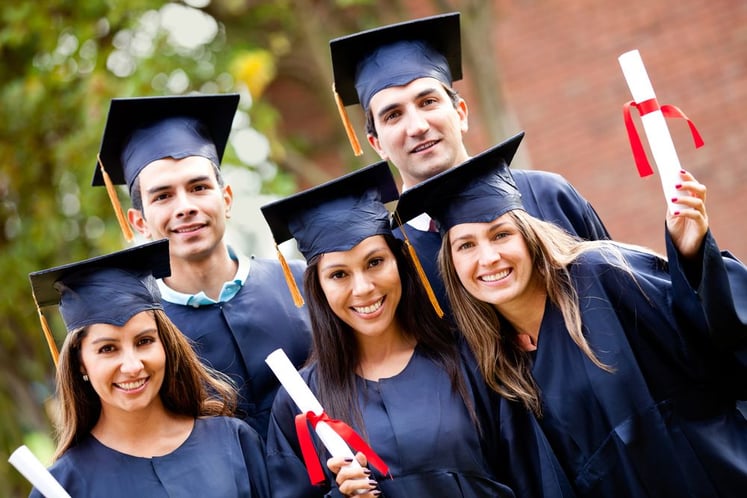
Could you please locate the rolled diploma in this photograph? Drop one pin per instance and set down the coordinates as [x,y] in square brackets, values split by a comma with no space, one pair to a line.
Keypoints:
[33,470]
[306,401]
[654,125]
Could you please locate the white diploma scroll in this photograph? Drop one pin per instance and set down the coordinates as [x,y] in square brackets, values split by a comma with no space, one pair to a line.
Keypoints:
[654,125]
[306,401]
[35,472]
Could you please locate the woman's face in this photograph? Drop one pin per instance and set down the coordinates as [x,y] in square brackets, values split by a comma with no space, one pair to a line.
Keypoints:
[125,365]
[362,286]
[492,260]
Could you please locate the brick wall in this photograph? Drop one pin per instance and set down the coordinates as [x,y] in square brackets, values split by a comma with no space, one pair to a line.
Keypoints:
[563,85]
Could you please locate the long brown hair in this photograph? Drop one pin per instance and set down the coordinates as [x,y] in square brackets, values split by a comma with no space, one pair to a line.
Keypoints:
[505,367]
[189,388]
[336,352]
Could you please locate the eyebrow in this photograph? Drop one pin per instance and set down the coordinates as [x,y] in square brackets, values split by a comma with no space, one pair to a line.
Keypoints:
[159,188]
[492,228]
[149,331]
[420,95]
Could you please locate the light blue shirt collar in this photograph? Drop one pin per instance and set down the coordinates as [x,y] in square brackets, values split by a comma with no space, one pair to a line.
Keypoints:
[229,290]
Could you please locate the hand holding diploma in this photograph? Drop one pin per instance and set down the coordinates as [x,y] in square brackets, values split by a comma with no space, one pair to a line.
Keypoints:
[33,470]
[655,127]
[336,436]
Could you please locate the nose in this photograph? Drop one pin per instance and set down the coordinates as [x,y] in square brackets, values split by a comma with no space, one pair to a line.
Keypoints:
[487,254]
[417,125]
[131,362]
[184,204]
[362,285]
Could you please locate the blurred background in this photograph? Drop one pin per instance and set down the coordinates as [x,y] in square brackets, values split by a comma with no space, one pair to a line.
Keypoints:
[547,67]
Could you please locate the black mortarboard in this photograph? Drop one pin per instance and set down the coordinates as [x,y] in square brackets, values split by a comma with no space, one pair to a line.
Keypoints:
[479,190]
[106,289]
[336,215]
[141,130]
[369,61]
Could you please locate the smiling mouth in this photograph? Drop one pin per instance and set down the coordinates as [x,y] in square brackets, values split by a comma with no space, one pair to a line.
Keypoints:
[131,386]
[189,229]
[494,277]
[424,146]
[367,310]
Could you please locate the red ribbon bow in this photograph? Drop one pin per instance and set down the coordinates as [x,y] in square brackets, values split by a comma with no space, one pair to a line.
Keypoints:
[645,107]
[313,467]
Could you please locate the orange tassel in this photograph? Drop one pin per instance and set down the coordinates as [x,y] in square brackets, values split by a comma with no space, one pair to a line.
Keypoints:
[352,137]
[123,225]
[50,340]
[295,293]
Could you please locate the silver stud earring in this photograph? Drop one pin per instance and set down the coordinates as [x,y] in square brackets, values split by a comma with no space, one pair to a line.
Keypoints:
[85,378]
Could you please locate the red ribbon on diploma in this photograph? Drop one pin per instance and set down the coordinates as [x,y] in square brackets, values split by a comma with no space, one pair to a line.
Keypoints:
[645,107]
[313,467]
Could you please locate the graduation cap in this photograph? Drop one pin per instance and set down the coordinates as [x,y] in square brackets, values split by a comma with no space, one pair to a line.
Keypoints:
[337,216]
[333,216]
[107,289]
[369,61]
[141,130]
[479,190]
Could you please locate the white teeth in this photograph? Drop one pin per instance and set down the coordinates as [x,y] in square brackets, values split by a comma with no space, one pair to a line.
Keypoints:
[369,309]
[424,146]
[129,386]
[495,276]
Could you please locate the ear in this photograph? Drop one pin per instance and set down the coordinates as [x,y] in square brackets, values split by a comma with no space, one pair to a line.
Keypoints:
[137,220]
[228,199]
[376,145]
[463,112]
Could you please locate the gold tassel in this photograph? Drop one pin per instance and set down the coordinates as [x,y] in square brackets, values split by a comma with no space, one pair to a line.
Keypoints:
[295,293]
[419,269]
[48,335]
[352,137]
[123,225]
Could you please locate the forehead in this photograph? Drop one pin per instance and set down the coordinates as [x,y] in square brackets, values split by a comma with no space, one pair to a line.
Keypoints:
[394,95]
[169,171]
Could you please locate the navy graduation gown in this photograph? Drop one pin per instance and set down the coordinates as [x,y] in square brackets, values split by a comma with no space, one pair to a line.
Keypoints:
[664,422]
[236,336]
[423,432]
[547,196]
[222,458]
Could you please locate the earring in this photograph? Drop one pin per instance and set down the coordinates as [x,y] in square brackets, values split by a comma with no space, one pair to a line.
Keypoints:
[85,377]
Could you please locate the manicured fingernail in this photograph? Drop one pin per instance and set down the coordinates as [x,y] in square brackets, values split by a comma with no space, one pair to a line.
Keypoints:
[678,186]
[376,493]
[683,171]
[367,472]
[348,459]
[373,483]
[674,199]
[676,213]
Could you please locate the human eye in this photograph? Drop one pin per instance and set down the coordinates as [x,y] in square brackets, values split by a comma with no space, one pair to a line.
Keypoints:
[336,275]
[146,340]
[201,187]
[106,348]
[161,196]
[376,261]
[464,246]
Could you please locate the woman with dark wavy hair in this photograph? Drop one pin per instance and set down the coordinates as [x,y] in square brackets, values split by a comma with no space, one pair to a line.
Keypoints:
[139,413]
[384,363]
[633,363]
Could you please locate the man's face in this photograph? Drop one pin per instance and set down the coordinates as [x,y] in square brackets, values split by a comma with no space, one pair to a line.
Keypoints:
[182,201]
[419,129]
